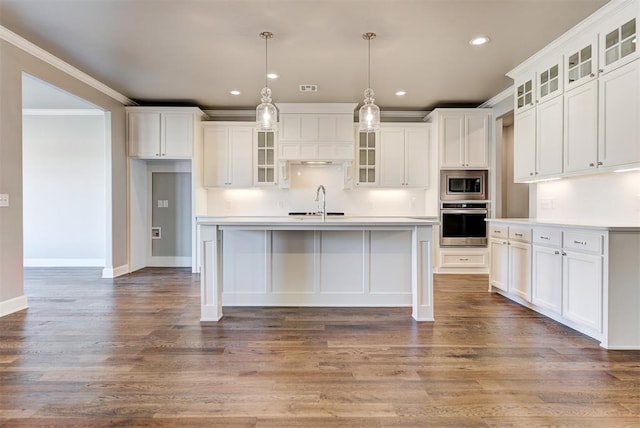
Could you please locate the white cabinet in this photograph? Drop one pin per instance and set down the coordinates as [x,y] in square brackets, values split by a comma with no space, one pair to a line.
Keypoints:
[549,82]
[581,128]
[165,133]
[404,155]
[525,93]
[499,263]
[316,131]
[266,161]
[547,278]
[367,159]
[617,36]
[520,262]
[463,136]
[510,260]
[549,138]
[524,145]
[228,155]
[619,110]
[580,61]
[582,289]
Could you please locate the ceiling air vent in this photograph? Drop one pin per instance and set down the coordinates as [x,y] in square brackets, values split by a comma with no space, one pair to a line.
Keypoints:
[308,88]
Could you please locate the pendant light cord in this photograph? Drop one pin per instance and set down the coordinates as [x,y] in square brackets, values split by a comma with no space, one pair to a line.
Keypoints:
[369,39]
[266,56]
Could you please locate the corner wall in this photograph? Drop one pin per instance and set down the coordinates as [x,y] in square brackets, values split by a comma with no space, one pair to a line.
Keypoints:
[14,62]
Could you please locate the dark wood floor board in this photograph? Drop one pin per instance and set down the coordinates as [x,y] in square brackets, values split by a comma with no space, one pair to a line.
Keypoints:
[132,352]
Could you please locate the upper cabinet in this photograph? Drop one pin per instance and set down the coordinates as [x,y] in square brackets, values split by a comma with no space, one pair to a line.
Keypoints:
[265,166]
[228,154]
[162,132]
[585,103]
[404,155]
[316,131]
[617,36]
[463,137]
[366,157]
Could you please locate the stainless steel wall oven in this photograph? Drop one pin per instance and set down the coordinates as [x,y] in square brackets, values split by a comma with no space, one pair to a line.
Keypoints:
[462,224]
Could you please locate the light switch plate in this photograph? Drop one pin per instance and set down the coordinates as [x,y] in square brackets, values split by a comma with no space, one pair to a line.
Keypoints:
[4,200]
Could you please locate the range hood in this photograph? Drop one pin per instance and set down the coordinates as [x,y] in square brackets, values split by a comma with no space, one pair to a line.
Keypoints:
[316,132]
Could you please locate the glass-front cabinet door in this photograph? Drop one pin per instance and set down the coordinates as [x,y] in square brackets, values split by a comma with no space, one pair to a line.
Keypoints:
[265,158]
[549,81]
[581,63]
[618,41]
[524,95]
[367,173]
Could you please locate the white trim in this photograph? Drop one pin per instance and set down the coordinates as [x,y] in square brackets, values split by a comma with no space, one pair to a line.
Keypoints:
[169,261]
[13,305]
[22,43]
[62,112]
[115,272]
[497,99]
[35,262]
[589,22]
[316,108]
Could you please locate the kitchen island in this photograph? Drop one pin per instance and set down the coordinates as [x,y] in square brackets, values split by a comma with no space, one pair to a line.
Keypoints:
[305,261]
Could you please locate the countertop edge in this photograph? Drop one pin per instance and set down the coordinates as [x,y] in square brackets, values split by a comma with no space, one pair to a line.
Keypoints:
[559,223]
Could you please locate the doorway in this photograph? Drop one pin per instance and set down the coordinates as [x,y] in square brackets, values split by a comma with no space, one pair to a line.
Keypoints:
[65,204]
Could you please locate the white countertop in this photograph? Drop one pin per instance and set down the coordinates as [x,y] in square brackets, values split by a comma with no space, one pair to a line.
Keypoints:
[565,223]
[316,221]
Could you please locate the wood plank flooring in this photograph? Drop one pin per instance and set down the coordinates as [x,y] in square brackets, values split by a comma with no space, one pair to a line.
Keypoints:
[132,352]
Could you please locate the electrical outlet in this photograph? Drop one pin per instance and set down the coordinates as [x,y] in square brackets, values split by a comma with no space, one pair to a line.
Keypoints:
[4,200]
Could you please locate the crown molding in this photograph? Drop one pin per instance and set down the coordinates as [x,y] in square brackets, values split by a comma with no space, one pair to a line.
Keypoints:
[496,99]
[22,43]
[61,112]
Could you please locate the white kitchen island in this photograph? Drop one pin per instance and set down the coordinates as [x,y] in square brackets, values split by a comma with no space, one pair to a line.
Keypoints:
[304,261]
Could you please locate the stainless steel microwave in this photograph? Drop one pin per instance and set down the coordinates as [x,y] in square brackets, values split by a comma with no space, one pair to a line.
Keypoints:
[464,185]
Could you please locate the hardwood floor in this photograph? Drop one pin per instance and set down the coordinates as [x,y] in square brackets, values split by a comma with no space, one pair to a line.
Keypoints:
[131,351]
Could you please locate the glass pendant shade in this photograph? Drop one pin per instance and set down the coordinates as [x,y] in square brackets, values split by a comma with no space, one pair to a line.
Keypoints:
[266,113]
[369,114]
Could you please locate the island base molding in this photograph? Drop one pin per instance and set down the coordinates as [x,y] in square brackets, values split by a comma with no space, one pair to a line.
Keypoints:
[370,266]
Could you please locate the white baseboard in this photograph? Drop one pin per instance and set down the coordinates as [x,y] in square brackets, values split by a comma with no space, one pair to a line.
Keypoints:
[63,262]
[169,262]
[13,305]
[115,272]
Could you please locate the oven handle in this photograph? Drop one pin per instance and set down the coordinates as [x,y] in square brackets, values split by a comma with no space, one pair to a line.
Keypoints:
[469,211]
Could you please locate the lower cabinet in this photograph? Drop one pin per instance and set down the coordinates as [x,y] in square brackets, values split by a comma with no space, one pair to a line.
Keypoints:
[560,274]
[547,278]
[582,289]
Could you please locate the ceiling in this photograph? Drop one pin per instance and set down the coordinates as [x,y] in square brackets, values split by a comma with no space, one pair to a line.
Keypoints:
[196,51]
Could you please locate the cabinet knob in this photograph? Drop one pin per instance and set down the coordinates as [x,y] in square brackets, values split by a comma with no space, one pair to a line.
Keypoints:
[564,254]
[592,164]
[536,172]
[531,173]
[601,70]
[556,252]
[593,75]
[157,154]
[599,163]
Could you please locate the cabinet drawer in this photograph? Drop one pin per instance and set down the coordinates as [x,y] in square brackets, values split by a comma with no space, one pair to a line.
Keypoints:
[583,241]
[499,231]
[520,234]
[550,237]
[463,260]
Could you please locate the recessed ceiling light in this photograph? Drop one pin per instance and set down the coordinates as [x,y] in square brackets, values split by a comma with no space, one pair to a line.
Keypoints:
[480,40]
[272,76]
[401,93]
[234,92]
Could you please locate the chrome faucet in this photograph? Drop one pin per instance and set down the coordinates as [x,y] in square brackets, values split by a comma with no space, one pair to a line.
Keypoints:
[324,200]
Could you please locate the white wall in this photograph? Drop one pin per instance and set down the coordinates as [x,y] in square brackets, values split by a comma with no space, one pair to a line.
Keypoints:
[64,190]
[301,195]
[600,199]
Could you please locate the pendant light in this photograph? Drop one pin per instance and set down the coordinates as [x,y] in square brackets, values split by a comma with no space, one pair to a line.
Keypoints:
[266,113]
[369,115]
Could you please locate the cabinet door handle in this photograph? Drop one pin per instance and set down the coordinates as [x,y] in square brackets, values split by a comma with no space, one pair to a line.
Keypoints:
[497,231]
[464,259]
[556,252]
[519,234]
[593,74]
[599,163]
[601,70]
[592,164]
[564,254]
[546,238]
[531,173]
[580,242]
